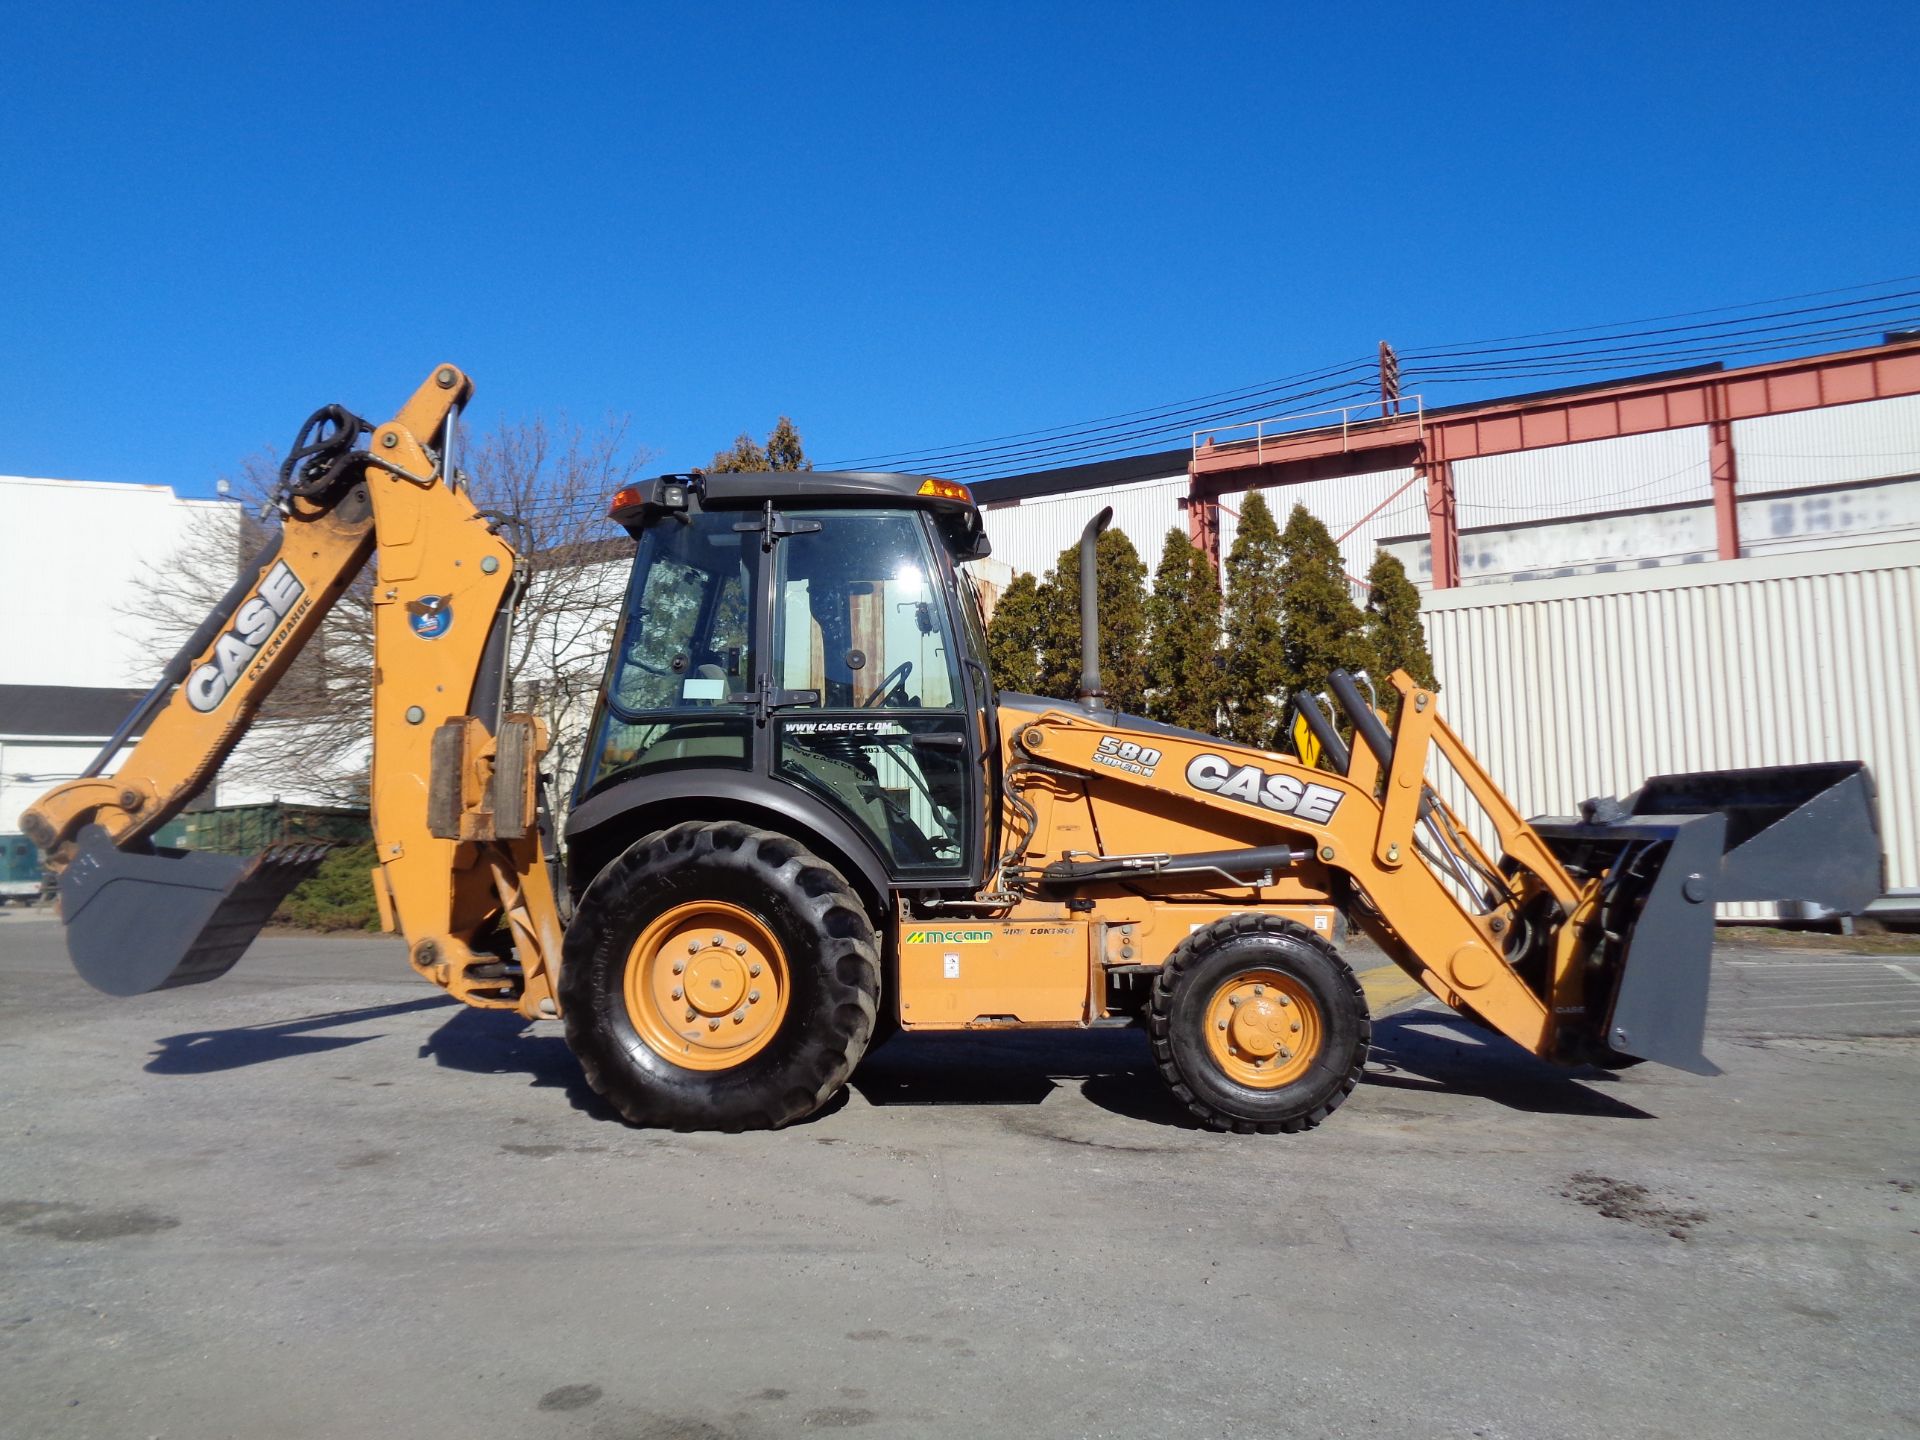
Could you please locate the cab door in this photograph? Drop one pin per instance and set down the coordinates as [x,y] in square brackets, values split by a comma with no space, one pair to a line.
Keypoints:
[863,629]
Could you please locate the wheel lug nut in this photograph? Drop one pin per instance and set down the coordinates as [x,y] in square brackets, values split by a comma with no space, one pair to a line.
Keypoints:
[738,1016]
[1259,989]
[719,940]
[1295,1027]
[754,971]
[1234,999]
[1220,1025]
[679,967]
[713,1024]
[678,992]
[1284,1000]
[753,997]
[689,1012]
[739,947]
[693,947]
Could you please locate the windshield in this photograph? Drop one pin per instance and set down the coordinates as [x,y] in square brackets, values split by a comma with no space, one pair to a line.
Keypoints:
[682,672]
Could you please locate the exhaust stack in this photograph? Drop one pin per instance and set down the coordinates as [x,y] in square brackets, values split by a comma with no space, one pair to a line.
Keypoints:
[1090,691]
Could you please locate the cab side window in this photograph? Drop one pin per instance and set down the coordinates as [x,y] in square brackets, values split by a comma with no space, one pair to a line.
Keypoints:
[859,620]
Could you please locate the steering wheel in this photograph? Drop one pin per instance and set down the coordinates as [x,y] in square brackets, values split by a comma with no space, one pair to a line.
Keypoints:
[893,678]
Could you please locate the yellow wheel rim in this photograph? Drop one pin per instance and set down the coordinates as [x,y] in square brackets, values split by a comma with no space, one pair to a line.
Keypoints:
[1263,1029]
[707,985]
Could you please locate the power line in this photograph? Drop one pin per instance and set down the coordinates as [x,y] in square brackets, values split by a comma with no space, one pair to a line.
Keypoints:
[1869,321]
[1549,368]
[1130,444]
[1064,432]
[1754,329]
[1683,314]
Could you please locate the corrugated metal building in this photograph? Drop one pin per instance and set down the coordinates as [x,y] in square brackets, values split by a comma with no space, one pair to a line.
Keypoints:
[1585,685]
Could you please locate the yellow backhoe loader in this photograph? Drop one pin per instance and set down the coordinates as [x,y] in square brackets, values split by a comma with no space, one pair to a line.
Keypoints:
[805,817]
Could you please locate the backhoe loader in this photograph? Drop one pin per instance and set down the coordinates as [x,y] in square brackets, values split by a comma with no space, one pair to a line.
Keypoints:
[806,818]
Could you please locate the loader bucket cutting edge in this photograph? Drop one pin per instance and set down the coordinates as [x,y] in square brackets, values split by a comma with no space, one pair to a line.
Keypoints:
[141,922]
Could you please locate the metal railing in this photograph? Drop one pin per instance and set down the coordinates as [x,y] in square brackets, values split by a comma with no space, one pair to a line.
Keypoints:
[1368,417]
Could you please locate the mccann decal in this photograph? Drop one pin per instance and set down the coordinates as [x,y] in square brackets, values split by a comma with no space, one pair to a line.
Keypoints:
[1251,785]
[946,937]
[253,625]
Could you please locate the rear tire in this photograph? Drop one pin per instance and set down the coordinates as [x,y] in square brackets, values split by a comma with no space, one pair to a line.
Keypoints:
[1258,1026]
[773,952]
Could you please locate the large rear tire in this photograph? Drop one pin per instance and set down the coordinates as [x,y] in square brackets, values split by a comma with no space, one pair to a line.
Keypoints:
[1258,1025]
[719,977]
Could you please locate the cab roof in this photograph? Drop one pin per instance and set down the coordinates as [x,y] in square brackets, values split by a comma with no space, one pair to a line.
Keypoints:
[959,517]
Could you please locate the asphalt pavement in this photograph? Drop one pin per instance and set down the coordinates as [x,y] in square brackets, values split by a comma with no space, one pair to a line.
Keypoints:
[316,1198]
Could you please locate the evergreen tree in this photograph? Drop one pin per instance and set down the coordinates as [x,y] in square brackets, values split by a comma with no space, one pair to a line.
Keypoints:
[1321,629]
[1013,637]
[1185,675]
[1256,674]
[1393,626]
[1122,580]
[783,451]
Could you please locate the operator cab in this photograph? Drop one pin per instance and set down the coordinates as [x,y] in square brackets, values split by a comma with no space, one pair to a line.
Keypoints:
[810,633]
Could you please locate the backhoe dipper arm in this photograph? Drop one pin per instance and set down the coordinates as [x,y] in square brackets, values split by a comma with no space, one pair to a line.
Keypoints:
[210,691]
[461,872]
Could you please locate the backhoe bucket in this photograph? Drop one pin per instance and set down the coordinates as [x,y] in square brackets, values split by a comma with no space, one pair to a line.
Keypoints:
[1683,842]
[140,922]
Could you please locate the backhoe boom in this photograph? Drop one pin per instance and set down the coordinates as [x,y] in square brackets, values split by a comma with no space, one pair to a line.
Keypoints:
[462,872]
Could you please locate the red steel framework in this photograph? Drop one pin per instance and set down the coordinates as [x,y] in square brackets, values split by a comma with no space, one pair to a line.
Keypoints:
[1432,443]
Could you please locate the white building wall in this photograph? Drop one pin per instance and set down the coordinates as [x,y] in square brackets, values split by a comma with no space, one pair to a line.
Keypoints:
[1664,468]
[29,768]
[1583,686]
[73,557]
[1030,536]
[1831,446]
[1344,505]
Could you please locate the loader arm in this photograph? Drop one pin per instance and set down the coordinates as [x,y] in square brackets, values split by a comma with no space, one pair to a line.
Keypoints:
[1584,941]
[1426,926]
[462,873]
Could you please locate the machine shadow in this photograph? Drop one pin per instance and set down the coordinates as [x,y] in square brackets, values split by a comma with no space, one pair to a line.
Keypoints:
[1440,1053]
[1114,1070]
[203,1052]
[499,1042]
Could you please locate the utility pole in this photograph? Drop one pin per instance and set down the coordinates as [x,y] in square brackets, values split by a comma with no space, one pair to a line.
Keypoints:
[1389,381]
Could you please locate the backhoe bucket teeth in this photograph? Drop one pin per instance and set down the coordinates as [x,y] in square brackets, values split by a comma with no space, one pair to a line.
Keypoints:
[140,922]
[1682,843]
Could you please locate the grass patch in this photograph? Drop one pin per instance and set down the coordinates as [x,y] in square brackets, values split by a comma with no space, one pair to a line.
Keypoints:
[1865,942]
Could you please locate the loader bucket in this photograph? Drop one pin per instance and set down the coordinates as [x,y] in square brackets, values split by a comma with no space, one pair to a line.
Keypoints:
[1683,842]
[1794,832]
[140,922]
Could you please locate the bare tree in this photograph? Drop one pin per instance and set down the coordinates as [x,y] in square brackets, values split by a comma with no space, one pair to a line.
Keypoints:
[557,478]
[551,480]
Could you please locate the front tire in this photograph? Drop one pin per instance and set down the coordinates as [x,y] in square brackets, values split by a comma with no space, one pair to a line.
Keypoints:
[719,977]
[1258,1026]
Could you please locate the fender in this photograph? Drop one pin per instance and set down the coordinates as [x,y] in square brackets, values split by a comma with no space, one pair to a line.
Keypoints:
[595,833]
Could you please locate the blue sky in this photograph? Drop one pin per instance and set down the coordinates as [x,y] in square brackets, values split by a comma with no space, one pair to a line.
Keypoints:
[903,225]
